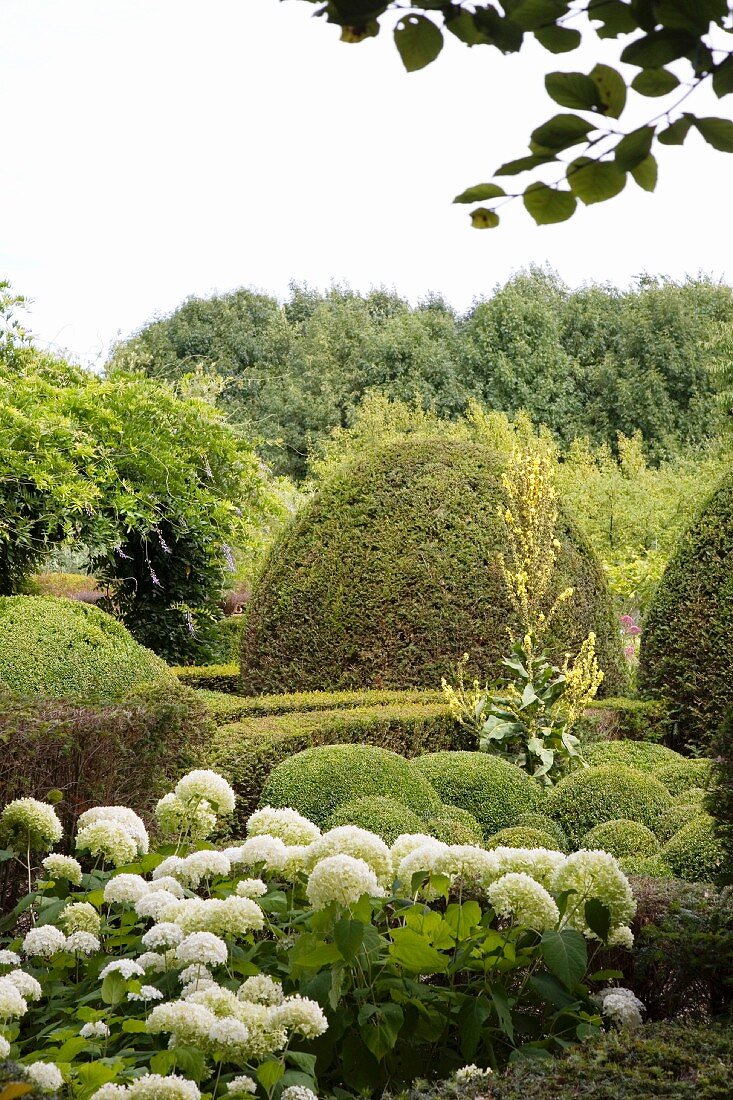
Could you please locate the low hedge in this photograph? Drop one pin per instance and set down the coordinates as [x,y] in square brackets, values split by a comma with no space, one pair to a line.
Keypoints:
[247,751]
[220,678]
[226,707]
[618,717]
[680,815]
[589,796]
[622,838]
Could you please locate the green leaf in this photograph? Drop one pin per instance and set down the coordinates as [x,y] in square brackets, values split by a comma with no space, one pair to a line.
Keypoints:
[418,41]
[565,954]
[305,1062]
[349,936]
[558,39]
[134,1027]
[415,953]
[654,82]
[659,48]
[717,132]
[464,28]
[595,181]
[611,89]
[645,174]
[598,918]
[6,854]
[573,90]
[503,1011]
[269,1073]
[482,218]
[480,192]
[523,164]
[162,1062]
[379,1027]
[676,133]
[464,918]
[114,988]
[310,953]
[533,14]
[558,133]
[633,148]
[723,78]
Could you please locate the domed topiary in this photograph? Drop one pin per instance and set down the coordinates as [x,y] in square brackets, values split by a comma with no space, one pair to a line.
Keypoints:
[687,645]
[454,826]
[383,816]
[649,866]
[622,838]
[64,649]
[318,780]
[389,574]
[546,825]
[521,836]
[679,816]
[645,756]
[692,796]
[590,796]
[685,775]
[694,853]
[491,789]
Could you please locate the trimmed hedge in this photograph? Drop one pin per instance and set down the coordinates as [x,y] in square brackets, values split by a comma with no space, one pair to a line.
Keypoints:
[226,707]
[384,816]
[619,717]
[644,756]
[546,825]
[622,838]
[455,826]
[687,645]
[491,789]
[218,678]
[720,800]
[315,782]
[247,751]
[694,853]
[590,796]
[227,639]
[389,574]
[521,836]
[63,649]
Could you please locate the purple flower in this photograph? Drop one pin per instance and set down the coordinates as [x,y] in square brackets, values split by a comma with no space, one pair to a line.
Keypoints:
[626,621]
[634,630]
[630,652]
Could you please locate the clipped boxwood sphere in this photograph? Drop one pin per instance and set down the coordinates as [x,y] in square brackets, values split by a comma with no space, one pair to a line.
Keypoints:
[622,838]
[455,826]
[318,780]
[590,796]
[654,866]
[685,775]
[694,853]
[389,574]
[687,645]
[383,816]
[494,791]
[645,756]
[521,836]
[679,816]
[64,649]
[546,825]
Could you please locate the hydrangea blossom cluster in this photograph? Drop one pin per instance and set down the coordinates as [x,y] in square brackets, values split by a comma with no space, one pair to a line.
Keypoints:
[288,825]
[45,1076]
[349,840]
[234,915]
[80,916]
[62,868]
[621,1006]
[343,879]
[108,840]
[127,818]
[151,1086]
[27,823]
[522,897]
[96,1029]
[12,1002]
[593,874]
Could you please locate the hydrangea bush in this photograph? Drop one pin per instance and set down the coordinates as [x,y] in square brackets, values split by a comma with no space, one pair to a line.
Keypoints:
[293,963]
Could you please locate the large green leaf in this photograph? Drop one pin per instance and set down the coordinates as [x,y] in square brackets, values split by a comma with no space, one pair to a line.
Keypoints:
[659,48]
[565,954]
[558,133]
[379,1027]
[558,39]
[348,936]
[269,1073]
[723,78]
[634,147]
[616,17]
[418,40]
[654,82]
[414,953]
[482,218]
[595,181]
[676,132]
[573,90]
[717,132]
[611,89]
[523,164]
[598,918]
[533,14]
[480,192]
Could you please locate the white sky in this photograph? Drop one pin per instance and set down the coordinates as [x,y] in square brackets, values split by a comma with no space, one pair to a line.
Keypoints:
[154,149]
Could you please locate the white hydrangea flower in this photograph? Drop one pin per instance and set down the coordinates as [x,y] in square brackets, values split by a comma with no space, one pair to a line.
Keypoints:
[153,1086]
[191,988]
[475,865]
[621,936]
[26,984]
[200,865]
[62,868]
[427,858]
[83,943]
[169,866]
[165,934]
[95,1030]
[539,863]
[290,826]
[471,1075]
[593,874]
[343,879]
[621,1006]
[9,958]
[224,916]
[152,961]
[110,1092]
[128,968]
[125,889]
[12,1002]
[300,1014]
[171,884]
[178,818]
[208,785]
[26,822]
[109,839]
[221,1001]
[147,993]
[122,815]
[45,1075]
[4,1048]
[155,904]
[408,842]
[296,861]
[80,916]
[261,989]
[202,947]
[269,850]
[227,1031]
[242,1085]
[251,888]
[45,941]
[350,840]
[187,1021]
[297,1092]
[520,896]
[196,972]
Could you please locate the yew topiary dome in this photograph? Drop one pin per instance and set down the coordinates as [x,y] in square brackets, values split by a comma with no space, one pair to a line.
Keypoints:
[388,575]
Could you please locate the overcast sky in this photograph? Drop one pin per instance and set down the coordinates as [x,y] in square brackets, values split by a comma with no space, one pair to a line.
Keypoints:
[154,149]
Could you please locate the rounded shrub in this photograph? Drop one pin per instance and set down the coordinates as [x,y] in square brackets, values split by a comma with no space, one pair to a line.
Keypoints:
[546,825]
[694,853]
[521,836]
[687,645]
[654,866]
[645,756]
[684,775]
[64,649]
[590,796]
[383,816]
[679,816]
[455,826]
[622,837]
[491,789]
[693,796]
[389,574]
[318,780]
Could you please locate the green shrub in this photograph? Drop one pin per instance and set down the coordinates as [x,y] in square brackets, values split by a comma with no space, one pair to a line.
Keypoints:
[694,853]
[383,816]
[494,791]
[644,756]
[720,801]
[687,646]
[622,838]
[546,825]
[693,796]
[226,707]
[521,836]
[619,717]
[654,866]
[684,775]
[64,649]
[215,678]
[315,782]
[389,573]
[590,796]
[454,826]
[679,816]
[227,639]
